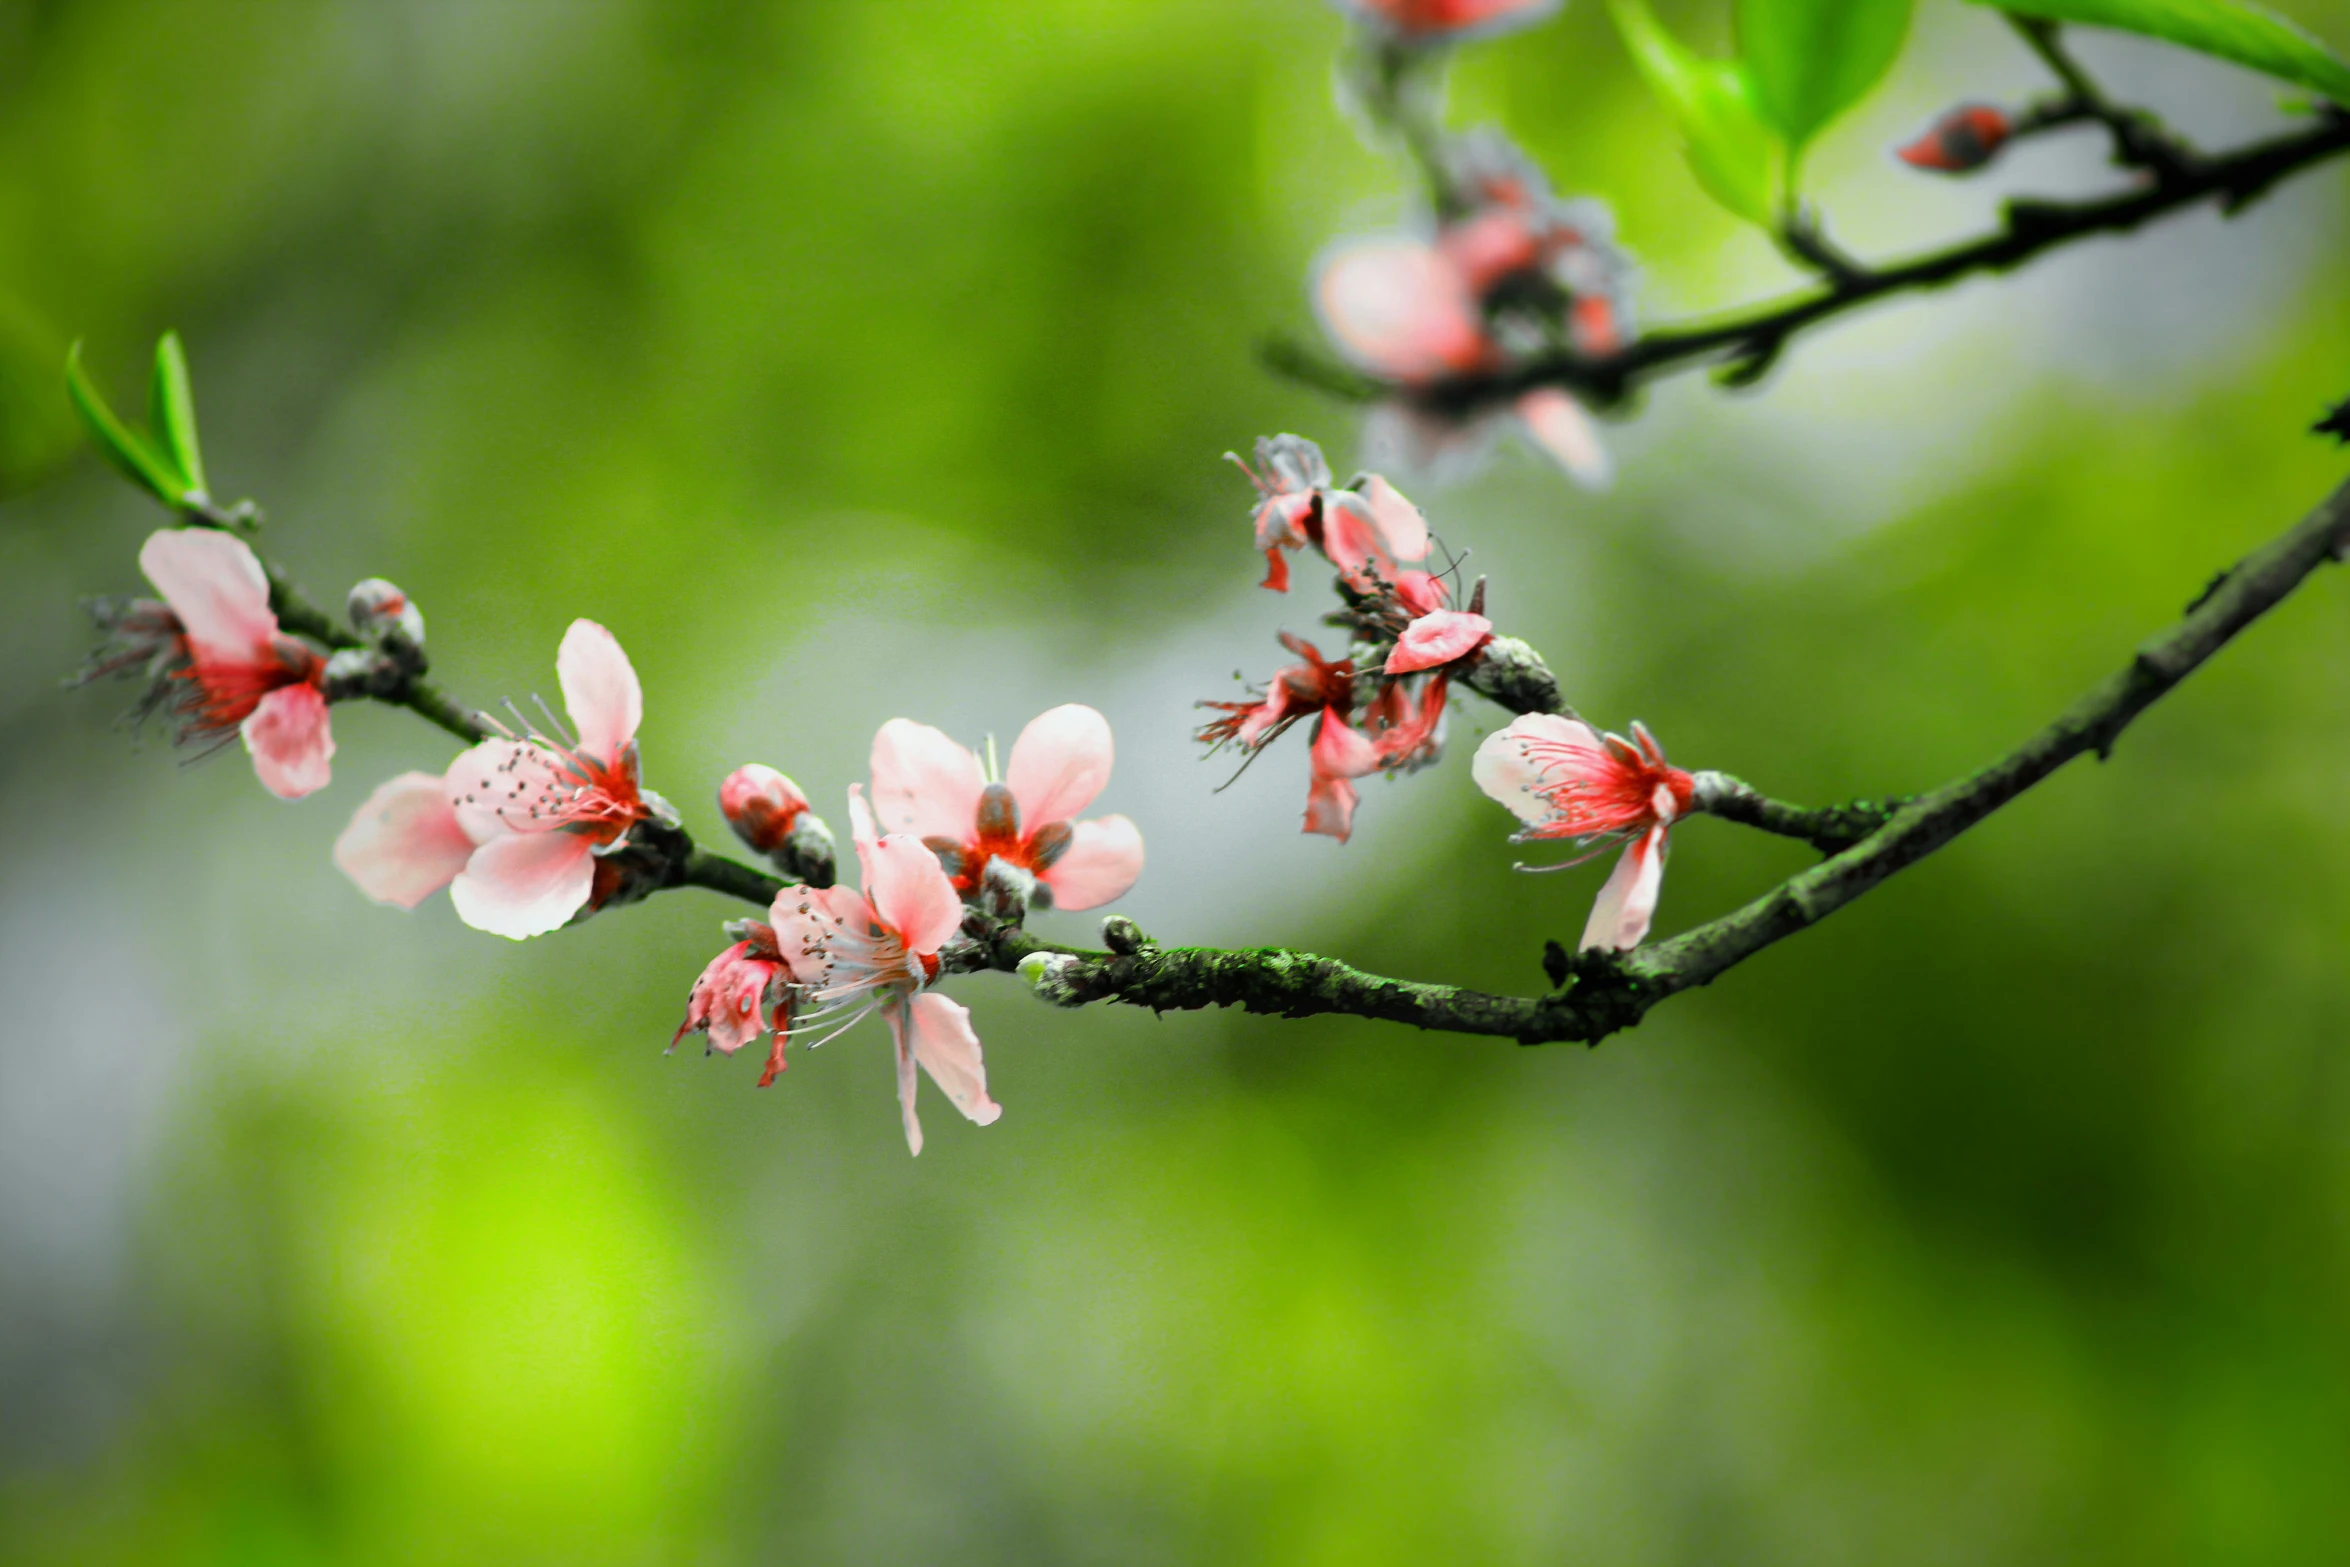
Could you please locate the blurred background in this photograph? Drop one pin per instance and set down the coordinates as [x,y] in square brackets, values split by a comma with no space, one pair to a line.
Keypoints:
[856,360]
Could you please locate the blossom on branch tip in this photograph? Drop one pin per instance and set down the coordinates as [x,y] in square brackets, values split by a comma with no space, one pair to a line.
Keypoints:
[1446,21]
[378,609]
[1564,779]
[547,809]
[215,659]
[1960,142]
[745,992]
[852,952]
[1018,833]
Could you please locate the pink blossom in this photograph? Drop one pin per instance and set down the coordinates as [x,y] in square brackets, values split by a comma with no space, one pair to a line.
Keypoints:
[544,809]
[1367,530]
[856,952]
[1563,779]
[745,992]
[233,671]
[1292,479]
[927,785]
[1402,309]
[1447,21]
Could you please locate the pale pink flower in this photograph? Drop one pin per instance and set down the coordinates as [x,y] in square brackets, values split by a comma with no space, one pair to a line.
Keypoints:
[1402,309]
[1564,779]
[855,952]
[1367,530]
[406,843]
[220,662]
[927,785]
[1447,21]
[543,809]
[745,992]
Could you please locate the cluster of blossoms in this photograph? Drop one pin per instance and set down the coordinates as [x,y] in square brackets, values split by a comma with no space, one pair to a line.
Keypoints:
[543,824]
[1381,708]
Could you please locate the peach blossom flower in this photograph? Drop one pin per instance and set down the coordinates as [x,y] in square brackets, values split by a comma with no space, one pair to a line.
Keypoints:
[854,952]
[1563,779]
[216,658]
[543,809]
[1021,828]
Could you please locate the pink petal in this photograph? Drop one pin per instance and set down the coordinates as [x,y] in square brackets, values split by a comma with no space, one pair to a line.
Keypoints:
[1352,540]
[1103,859]
[1399,309]
[218,590]
[1438,638]
[1400,525]
[900,1018]
[1563,432]
[1488,247]
[1503,770]
[290,741]
[493,787]
[802,916]
[949,1052]
[1628,902]
[526,884]
[404,844]
[1341,750]
[1058,765]
[911,892]
[924,783]
[1281,519]
[600,690]
[1330,807]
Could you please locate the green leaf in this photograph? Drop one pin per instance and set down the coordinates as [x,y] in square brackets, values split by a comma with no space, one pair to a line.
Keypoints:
[172,410]
[2231,29]
[1731,150]
[1810,60]
[124,447]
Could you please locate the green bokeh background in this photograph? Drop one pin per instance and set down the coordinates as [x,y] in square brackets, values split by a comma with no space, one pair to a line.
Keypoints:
[862,359]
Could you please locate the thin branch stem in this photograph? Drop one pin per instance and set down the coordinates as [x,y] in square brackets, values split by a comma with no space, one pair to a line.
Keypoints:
[2139,140]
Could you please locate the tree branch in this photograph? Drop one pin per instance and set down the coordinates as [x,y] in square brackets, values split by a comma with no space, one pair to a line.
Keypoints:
[1747,343]
[1604,992]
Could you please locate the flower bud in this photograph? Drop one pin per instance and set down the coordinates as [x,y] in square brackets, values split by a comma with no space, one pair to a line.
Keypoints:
[1122,936]
[378,610]
[1961,141]
[762,806]
[807,851]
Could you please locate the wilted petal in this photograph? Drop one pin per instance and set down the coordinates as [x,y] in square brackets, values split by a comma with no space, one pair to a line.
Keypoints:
[1401,526]
[1341,750]
[405,843]
[949,1052]
[1628,902]
[525,884]
[923,782]
[291,741]
[1059,764]
[600,690]
[1438,638]
[1330,807]
[1504,770]
[1102,861]
[1561,429]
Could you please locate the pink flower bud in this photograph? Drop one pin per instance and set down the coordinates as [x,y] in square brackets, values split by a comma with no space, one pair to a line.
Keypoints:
[1960,142]
[761,806]
[378,608]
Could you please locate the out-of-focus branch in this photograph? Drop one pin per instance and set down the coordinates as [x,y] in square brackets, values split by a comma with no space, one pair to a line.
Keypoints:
[1745,344]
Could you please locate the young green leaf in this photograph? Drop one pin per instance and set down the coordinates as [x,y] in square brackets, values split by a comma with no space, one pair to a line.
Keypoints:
[1733,153]
[172,410]
[2231,29]
[124,447]
[1810,60]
